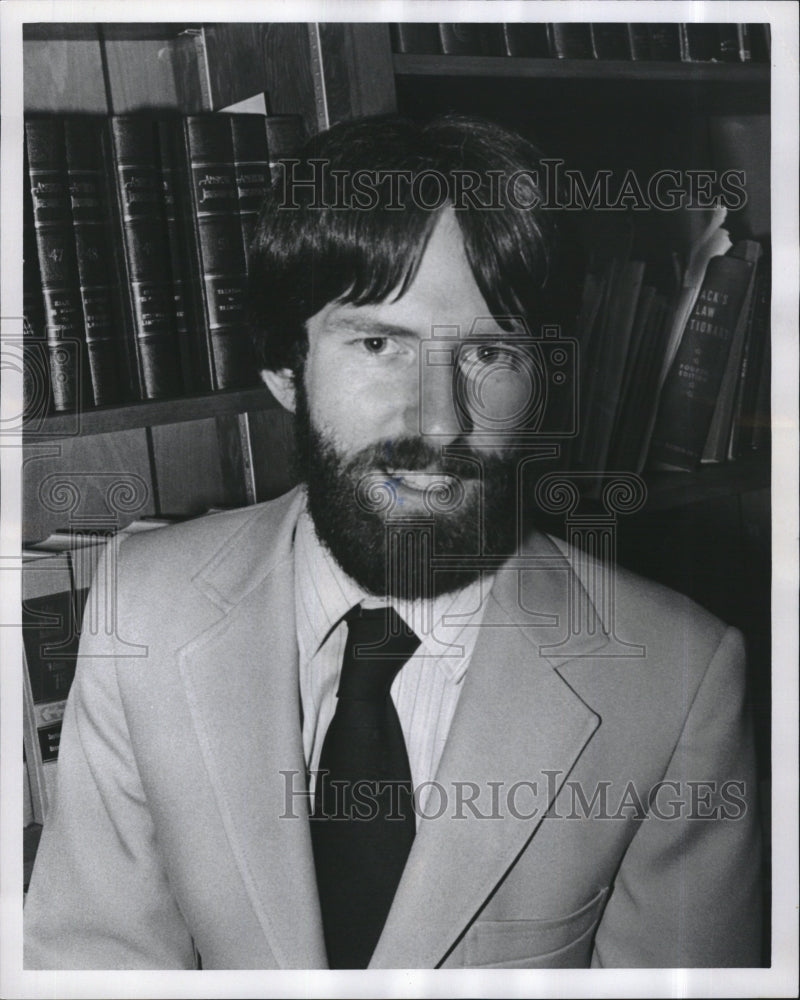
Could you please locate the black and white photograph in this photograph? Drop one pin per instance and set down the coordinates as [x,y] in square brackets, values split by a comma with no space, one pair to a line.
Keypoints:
[399,452]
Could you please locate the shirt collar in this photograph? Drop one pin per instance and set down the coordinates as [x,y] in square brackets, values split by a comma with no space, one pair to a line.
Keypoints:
[324,593]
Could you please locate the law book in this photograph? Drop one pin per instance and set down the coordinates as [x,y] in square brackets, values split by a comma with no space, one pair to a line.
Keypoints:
[594,323]
[37,396]
[754,363]
[703,42]
[610,40]
[92,205]
[689,393]
[632,437]
[761,432]
[460,39]
[748,360]
[641,319]
[610,370]
[285,136]
[656,42]
[218,249]
[415,38]
[253,179]
[570,41]
[699,42]
[719,433]
[760,42]
[745,46]
[525,39]
[51,618]
[734,43]
[491,39]
[55,243]
[187,308]
[142,235]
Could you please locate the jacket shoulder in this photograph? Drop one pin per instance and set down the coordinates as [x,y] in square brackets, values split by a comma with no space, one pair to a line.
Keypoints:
[643,607]
[196,541]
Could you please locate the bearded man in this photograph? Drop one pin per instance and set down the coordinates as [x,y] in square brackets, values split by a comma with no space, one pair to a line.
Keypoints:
[357,726]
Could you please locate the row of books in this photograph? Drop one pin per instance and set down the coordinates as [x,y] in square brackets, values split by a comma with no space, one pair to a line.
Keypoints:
[704,42]
[56,576]
[675,360]
[136,251]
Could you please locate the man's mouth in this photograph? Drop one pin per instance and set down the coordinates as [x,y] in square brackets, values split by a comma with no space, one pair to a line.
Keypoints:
[421,481]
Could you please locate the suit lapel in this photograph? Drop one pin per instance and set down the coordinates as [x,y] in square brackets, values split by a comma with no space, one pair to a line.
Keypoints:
[241,681]
[516,734]
[518,728]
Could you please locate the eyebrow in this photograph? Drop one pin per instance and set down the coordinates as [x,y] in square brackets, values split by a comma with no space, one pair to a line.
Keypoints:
[377,328]
[372,328]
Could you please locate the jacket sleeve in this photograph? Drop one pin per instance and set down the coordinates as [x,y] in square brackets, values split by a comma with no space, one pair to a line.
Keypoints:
[688,890]
[99,897]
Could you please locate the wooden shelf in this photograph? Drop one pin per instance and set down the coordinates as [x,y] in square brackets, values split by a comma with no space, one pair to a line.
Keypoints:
[748,75]
[108,419]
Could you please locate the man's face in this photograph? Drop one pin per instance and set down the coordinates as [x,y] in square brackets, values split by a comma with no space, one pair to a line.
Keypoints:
[405,414]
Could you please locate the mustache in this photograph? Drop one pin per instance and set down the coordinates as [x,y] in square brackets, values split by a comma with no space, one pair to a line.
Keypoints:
[414,454]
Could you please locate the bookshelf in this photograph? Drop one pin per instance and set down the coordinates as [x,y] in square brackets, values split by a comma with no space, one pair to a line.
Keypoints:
[157,412]
[521,67]
[328,72]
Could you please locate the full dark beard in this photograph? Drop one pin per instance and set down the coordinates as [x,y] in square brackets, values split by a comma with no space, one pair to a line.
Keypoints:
[389,549]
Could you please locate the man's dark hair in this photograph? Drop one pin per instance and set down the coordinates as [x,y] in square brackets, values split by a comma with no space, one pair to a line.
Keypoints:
[358,233]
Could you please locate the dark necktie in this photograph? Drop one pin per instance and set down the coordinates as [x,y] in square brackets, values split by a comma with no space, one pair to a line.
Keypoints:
[363,824]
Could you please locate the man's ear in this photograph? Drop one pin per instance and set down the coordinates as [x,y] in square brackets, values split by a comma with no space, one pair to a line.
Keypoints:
[281,384]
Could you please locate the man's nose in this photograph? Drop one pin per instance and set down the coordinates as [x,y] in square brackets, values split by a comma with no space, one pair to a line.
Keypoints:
[438,414]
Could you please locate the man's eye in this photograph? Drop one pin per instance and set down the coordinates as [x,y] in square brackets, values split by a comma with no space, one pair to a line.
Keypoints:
[378,345]
[375,344]
[491,353]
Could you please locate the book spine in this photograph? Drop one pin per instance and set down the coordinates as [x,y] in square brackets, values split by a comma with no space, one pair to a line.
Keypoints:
[748,359]
[144,239]
[690,390]
[51,619]
[639,41]
[760,42]
[743,34]
[188,310]
[610,41]
[460,39]
[284,138]
[55,243]
[37,396]
[220,248]
[525,39]
[251,162]
[99,285]
[701,42]
[491,39]
[415,38]
[571,41]
[728,43]
[762,417]
[757,362]
[660,42]
[716,447]
[664,42]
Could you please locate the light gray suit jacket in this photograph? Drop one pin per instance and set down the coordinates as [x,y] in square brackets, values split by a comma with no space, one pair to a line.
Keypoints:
[176,826]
